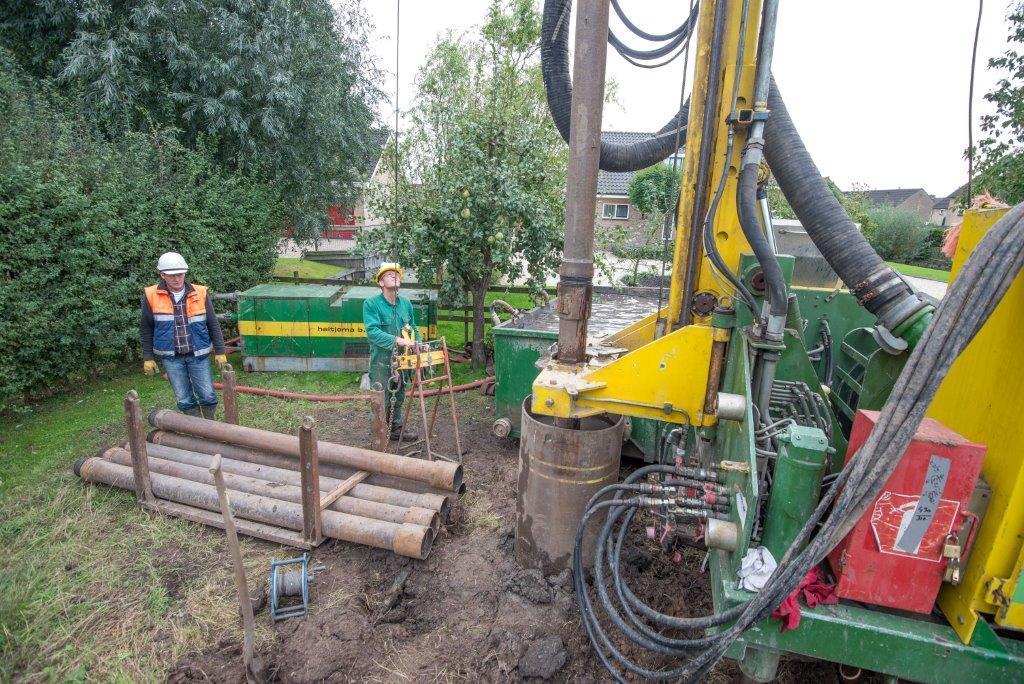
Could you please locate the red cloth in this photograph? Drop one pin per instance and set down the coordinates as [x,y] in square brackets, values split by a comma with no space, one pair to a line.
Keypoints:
[815,590]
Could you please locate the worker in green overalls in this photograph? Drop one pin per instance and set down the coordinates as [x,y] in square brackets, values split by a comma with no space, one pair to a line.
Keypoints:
[384,316]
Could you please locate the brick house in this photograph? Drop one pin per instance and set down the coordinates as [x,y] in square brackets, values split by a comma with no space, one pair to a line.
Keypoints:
[613,206]
[915,199]
[939,212]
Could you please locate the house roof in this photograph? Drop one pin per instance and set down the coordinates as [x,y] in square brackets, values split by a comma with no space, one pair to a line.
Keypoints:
[888,198]
[379,138]
[617,182]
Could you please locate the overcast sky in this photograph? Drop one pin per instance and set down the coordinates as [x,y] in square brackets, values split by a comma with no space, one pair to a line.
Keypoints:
[877,88]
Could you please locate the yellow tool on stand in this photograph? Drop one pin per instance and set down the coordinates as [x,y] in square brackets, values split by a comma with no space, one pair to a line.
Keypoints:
[420,359]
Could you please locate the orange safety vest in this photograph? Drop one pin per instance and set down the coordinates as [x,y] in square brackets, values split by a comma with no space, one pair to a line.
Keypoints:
[161,302]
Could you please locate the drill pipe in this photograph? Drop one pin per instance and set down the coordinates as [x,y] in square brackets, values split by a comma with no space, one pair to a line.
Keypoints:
[439,474]
[277,490]
[406,539]
[255,456]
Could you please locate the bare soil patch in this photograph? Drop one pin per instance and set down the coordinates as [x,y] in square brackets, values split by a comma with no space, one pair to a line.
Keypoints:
[468,612]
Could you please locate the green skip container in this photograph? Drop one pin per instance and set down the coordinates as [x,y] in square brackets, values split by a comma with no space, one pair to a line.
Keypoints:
[519,342]
[315,327]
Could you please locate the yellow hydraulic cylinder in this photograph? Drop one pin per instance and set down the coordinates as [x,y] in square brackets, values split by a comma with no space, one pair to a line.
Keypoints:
[981,399]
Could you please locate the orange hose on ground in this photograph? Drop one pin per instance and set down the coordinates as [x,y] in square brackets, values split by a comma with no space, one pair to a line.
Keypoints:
[281,394]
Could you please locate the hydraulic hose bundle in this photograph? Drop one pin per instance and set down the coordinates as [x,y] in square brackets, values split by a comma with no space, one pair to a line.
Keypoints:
[974,294]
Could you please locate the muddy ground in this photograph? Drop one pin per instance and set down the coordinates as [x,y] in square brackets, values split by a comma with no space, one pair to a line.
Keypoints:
[468,612]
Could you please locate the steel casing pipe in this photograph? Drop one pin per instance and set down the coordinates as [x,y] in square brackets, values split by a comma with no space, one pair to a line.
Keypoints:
[290,464]
[440,474]
[283,491]
[404,539]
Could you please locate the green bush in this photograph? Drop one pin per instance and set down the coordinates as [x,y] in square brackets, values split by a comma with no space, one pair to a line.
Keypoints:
[642,252]
[896,234]
[84,219]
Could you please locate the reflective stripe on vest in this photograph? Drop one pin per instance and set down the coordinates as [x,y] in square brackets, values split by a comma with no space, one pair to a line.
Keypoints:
[161,302]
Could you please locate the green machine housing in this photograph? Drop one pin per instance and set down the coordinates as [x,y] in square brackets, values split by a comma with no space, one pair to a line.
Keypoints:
[520,342]
[315,327]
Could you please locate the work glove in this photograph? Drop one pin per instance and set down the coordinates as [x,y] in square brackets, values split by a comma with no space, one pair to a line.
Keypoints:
[221,360]
[149,367]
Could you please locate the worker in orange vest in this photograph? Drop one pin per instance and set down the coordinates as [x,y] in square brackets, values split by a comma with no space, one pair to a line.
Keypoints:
[180,328]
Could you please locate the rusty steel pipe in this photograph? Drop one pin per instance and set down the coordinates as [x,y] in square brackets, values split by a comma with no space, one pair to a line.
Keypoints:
[277,490]
[576,273]
[238,453]
[404,539]
[715,367]
[289,476]
[439,474]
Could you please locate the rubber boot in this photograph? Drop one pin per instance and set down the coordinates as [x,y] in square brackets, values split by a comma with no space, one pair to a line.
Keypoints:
[397,433]
[209,412]
[194,411]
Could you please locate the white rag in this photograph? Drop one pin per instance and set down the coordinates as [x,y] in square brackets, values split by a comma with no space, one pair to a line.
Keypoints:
[755,569]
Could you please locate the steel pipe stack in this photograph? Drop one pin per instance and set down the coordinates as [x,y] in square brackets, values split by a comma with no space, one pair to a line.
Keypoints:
[365,497]
[404,539]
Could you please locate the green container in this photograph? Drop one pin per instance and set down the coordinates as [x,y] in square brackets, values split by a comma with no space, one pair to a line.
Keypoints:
[315,327]
[519,343]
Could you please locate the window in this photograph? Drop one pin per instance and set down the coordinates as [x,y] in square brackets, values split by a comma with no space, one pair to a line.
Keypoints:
[615,211]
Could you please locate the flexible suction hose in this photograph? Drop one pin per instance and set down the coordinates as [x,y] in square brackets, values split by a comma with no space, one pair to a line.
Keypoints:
[554,51]
[876,285]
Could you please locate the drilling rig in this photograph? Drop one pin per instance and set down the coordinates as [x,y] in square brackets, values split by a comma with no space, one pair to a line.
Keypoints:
[860,433]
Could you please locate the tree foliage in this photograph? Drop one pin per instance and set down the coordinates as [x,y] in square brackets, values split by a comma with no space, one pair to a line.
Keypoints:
[84,220]
[654,190]
[1001,151]
[896,234]
[481,172]
[279,89]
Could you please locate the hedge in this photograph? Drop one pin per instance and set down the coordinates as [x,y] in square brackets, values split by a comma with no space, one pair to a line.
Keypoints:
[83,218]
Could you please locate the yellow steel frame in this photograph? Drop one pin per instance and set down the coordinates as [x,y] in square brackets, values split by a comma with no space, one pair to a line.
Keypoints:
[666,378]
[981,399]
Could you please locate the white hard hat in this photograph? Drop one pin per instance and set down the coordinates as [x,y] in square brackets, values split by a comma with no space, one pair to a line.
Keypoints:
[171,263]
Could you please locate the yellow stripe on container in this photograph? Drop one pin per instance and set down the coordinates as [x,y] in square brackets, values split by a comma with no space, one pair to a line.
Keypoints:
[311,329]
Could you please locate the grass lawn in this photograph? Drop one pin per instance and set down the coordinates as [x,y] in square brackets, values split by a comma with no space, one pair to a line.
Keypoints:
[286,267]
[922,272]
[91,586]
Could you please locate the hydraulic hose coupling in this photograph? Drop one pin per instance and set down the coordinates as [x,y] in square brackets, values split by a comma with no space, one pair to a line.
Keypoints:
[700,513]
[753,152]
[651,502]
[886,295]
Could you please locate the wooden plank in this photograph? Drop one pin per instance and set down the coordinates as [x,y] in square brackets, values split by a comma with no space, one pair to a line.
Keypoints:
[230,394]
[278,535]
[309,475]
[343,489]
[137,446]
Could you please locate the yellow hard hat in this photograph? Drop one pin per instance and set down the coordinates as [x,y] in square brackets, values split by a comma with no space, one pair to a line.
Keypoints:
[389,266]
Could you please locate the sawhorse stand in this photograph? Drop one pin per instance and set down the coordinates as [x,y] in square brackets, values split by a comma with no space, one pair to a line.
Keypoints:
[420,362]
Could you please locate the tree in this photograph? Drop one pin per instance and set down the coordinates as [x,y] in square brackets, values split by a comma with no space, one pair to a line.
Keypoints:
[481,172]
[1001,151]
[281,89]
[896,234]
[653,192]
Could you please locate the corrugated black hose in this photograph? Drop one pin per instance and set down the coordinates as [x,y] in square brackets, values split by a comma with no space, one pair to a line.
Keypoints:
[554,51]
[877,286]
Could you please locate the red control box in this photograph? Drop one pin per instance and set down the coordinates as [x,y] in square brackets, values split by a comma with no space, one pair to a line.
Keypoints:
[897,554]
